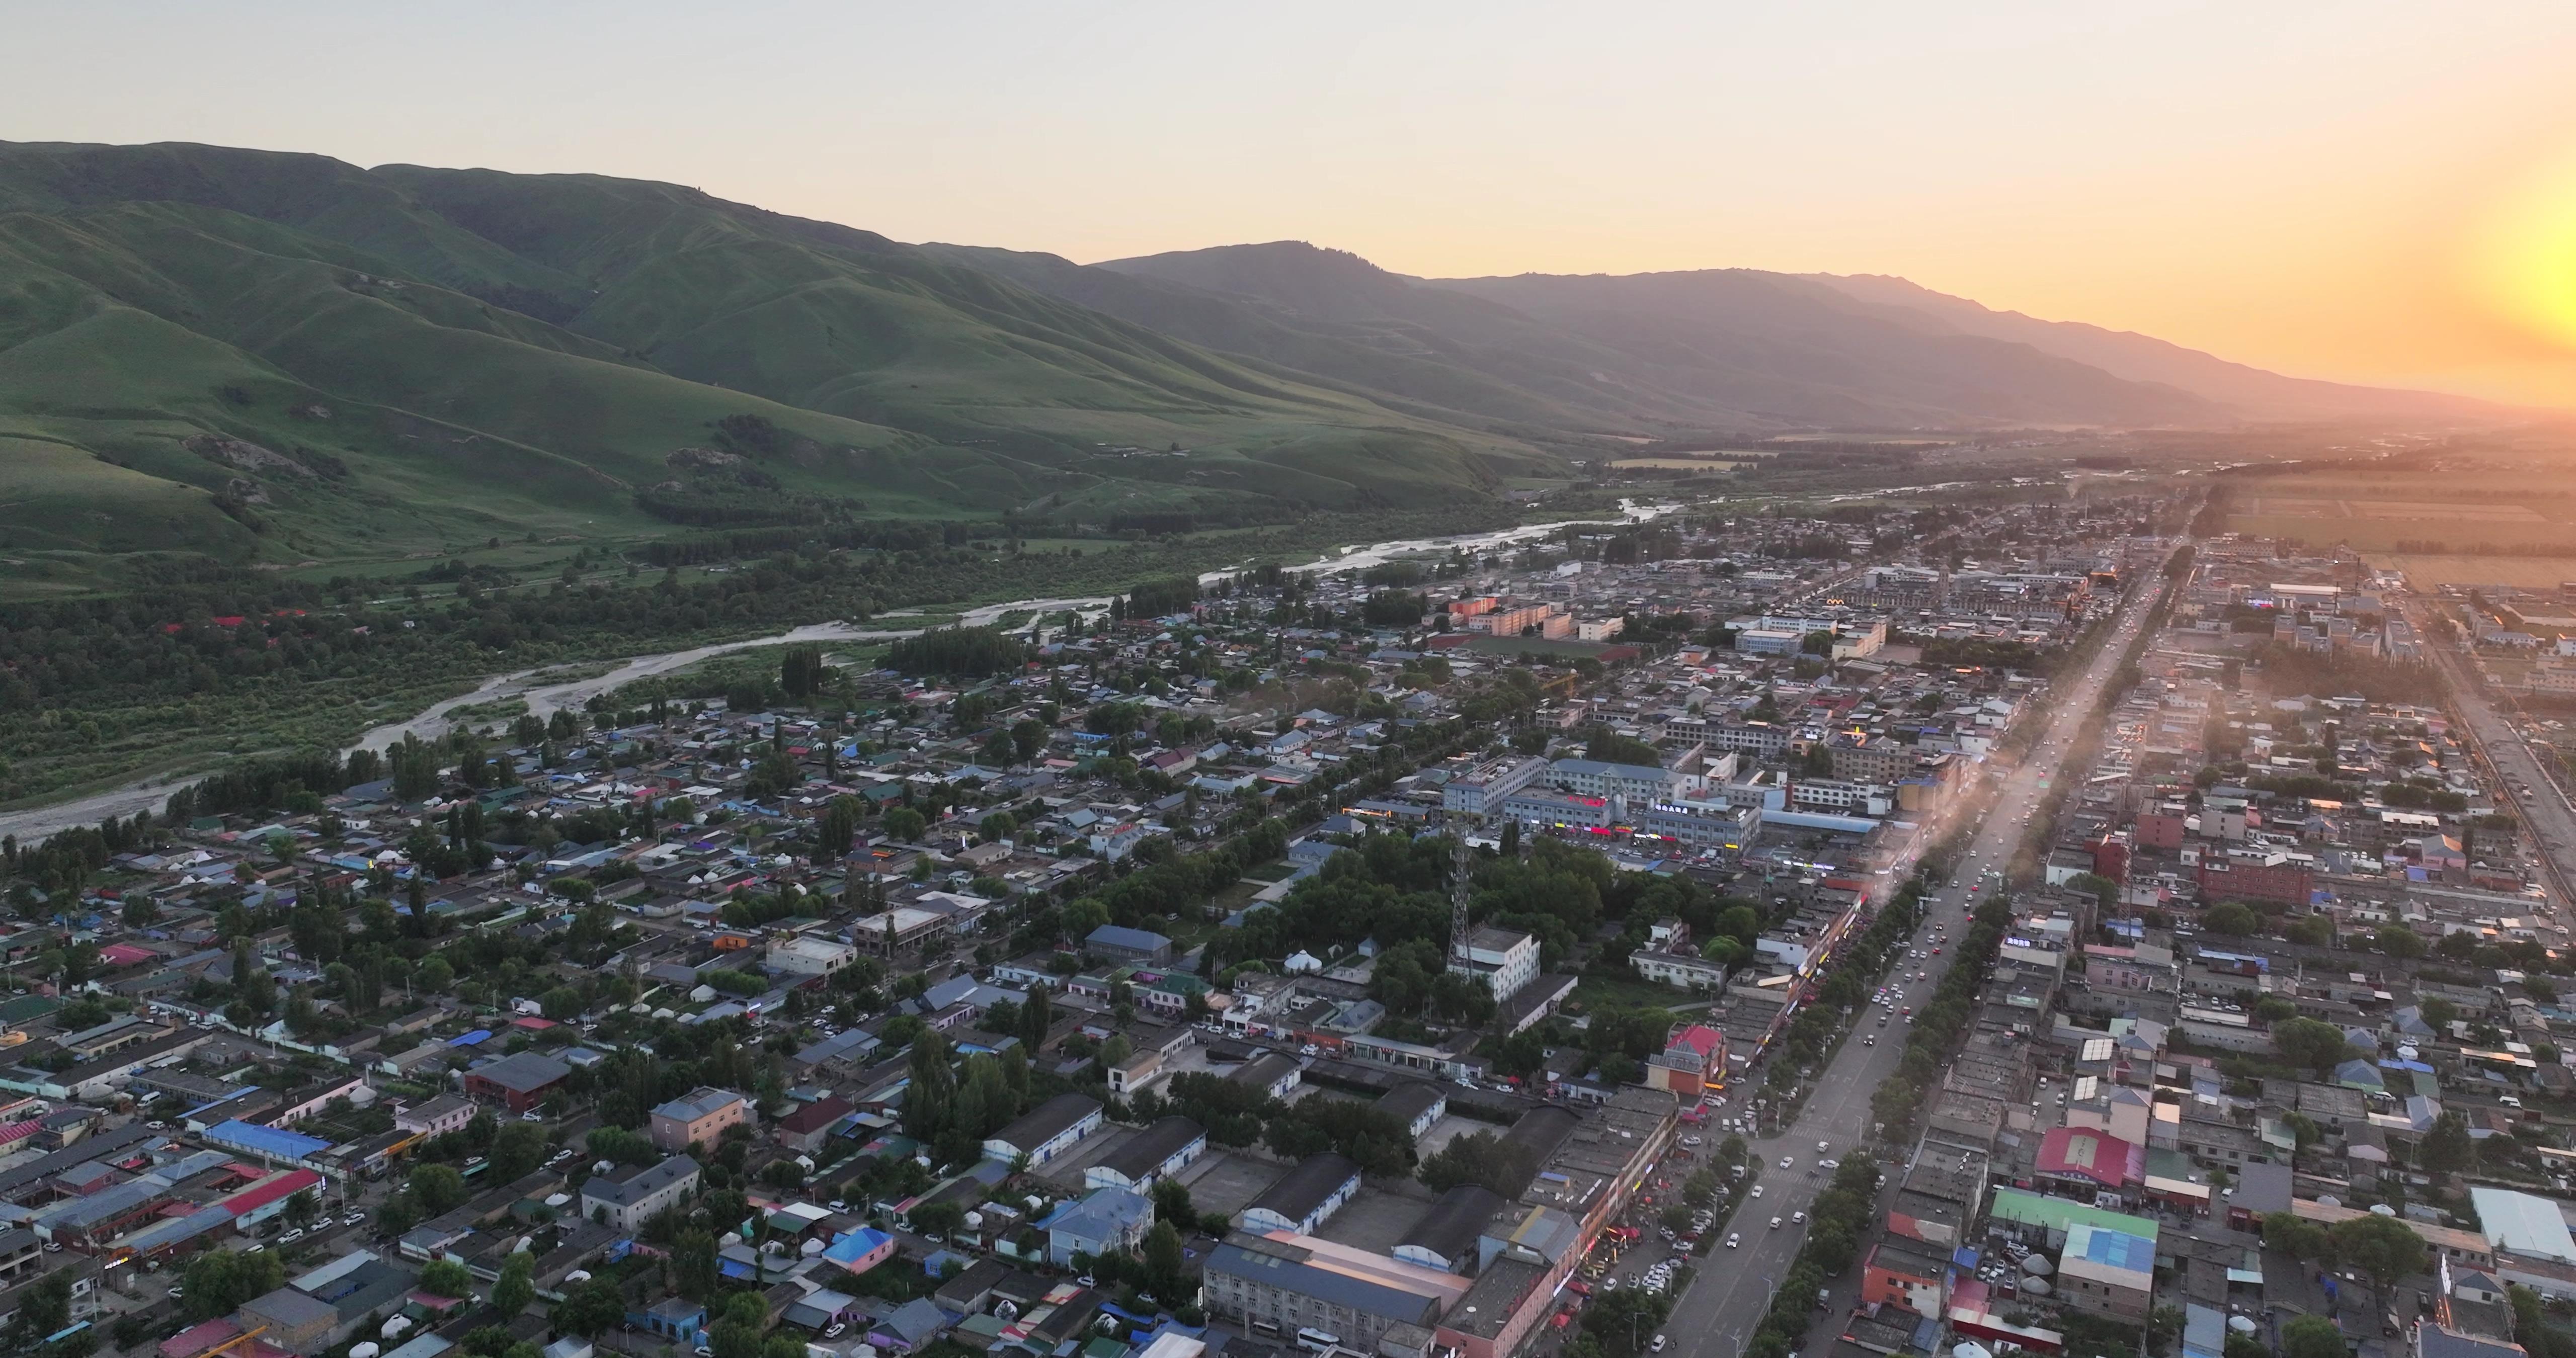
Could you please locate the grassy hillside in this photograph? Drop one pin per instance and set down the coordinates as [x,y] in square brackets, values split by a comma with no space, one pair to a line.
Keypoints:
[1732,349]
[283,359]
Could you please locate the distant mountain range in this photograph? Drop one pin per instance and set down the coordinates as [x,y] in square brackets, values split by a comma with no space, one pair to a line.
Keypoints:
[267,356]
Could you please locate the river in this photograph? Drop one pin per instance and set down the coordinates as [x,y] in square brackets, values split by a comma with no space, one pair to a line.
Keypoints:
[545,699]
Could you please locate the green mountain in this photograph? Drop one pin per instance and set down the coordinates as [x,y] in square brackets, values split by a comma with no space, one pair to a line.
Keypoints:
[272,357]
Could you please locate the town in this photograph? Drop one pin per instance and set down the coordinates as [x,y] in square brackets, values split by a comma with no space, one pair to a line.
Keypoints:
[1895,927]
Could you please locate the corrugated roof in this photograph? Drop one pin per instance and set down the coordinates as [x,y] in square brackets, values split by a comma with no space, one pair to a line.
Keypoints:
[2523,1224]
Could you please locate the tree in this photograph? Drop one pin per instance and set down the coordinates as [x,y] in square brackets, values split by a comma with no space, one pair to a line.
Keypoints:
[517,1149]
[2448,1148]
[2304,1241]
[1163,1259]
[2438,1013]
[2232,918]
[2383,1249]
[516,1286]
[2312,1337]
[436,1189]
[589,1308]
[443,1278]
[693,1265]
[2396,940]
[302,1208]
[903,823]
[2309,1043]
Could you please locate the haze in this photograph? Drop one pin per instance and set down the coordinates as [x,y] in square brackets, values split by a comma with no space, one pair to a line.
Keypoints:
[2372,193]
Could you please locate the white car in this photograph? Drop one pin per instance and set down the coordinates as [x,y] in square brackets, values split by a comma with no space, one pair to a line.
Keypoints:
[1757,1191]
[1733,1239]
[291,1236]
[1788,1162]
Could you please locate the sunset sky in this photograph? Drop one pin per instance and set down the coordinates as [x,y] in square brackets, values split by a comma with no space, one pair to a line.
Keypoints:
[2364,191]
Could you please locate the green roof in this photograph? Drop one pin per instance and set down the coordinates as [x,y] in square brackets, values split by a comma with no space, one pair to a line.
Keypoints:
[25,1007]
[2058,1214]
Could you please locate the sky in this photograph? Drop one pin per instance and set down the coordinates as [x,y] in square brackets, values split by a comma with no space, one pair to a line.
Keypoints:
[2371,192]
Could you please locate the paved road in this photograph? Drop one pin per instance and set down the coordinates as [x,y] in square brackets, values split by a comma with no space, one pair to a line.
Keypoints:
[2542,805]
[1734,1287]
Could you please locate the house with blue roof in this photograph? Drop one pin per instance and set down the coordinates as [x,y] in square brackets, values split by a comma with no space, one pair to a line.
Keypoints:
[1104,1220]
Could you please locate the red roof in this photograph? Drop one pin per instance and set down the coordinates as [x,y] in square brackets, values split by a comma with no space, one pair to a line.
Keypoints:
[276,1186]
[2081,1152]
[125,954]
[532,1024]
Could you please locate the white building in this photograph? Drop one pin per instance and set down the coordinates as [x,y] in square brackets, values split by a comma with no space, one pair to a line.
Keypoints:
[806,955]
[1504,959]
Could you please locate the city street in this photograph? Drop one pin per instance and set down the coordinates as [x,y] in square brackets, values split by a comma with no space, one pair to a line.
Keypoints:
[2536,796]
[1734,1287]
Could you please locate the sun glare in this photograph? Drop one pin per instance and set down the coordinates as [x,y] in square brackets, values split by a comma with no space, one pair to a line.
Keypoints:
[2525,261]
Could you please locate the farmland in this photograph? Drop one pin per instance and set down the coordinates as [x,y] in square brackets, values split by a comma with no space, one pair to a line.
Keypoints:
[2438,516]
[2426,570]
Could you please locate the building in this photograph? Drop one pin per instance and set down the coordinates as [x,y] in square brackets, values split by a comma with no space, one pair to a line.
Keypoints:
[519,1082]
[806,955]
[699,1118]
[1305,1197]
[1046,1131]
[441,1115]
[1446,1236]
[1682,968]
[1482,790]
[1275,1288]
[1504,959]
[1159,1151]
[1418,1104]
[292,1320]
[1276,1075]
[630,1202]
[1692,1062]
[2106,1271]
[1129,945]
[1106,1220]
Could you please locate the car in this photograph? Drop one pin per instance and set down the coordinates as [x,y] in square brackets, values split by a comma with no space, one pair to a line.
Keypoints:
[1087,1280]
[1823,1147]
[1579,1288]
[1936,952]
[1657,1346]
[1869,1039]
[1775,1223]
[1788,1162]
[702,1351]
[1828,1164]
[291,1237]
[1757,1190]
[1690,1141]
[838,1205]
[532,1115]
[53,1247]
[1799,1217]
[837,1329]
[256,1248]
[1734,1239]
[354,1219]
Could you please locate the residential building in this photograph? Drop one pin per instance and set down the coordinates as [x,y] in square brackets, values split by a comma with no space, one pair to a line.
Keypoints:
[518,1082]
[699,1118]
[1504,959]
[629,1202]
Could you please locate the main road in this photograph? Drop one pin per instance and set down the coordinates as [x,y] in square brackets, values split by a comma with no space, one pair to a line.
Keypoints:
[2543,804]
[1733,1287]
